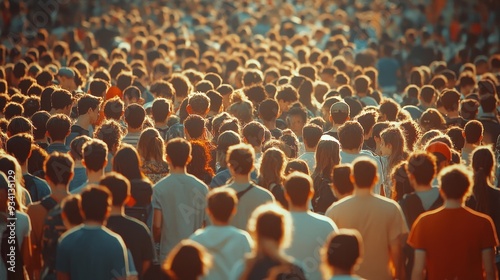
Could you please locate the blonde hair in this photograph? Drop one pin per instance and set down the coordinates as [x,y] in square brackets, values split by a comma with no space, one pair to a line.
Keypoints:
[272,168]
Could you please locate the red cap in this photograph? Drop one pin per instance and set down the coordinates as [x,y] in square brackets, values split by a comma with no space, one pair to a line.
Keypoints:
[441,148]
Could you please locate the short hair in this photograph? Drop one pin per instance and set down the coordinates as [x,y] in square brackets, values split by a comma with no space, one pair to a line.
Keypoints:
[114,108]
[19,146]
[455,181]
[367,120]
[31,105]
[361,84]
[469,109]
[76,146]
[199,103]
[298,186]
[12,109]
[488,102]
[271,222]
[58,168]
[364,171]
[298,110]
[287,93]
[351,135]
[135,115]
[427,92]
[95,203]
[58,127]
[255,93]
[473,131]
[311,134]
[124,82]
[269,110]
[241,157]
[225,89]
[61,99]
[252,77]
[221,202]
[194,125]
[341,179]
[87,102]
[390,108]
[215,100]
[254,133]
[343,249]
[39,121]
[181,84]
[450,100]
[178,150]
[423,167]
[132,92]
[162,89]
[95,154]
[70,206]
[19,124]
[118,185]
[160,109]
[98,88]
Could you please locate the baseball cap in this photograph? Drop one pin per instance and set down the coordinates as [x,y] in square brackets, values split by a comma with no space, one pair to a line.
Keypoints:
[440,148]
[66,72]
[340,107]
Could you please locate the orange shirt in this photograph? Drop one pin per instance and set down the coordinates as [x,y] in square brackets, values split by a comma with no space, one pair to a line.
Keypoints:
[453,240]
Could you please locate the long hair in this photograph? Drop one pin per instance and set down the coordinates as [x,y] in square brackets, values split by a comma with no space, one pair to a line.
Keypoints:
[200,164]
[187,261]
[127,162]
[327,157]
[151,145]
[394,137]
[400,181]
[8,164]
[272,168]
[483,165]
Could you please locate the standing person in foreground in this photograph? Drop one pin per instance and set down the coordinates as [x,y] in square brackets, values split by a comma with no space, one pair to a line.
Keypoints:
[342,253]
[224,242]
[310,230]
[379,220]
[92,251]
[454,242]
[178,200]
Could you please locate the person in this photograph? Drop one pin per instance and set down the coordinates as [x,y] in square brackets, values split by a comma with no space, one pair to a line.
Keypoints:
[270,226]
[311,133]
[151,149]
[342,253]
[194,128]
[70,212]
[310,230]
[110,133]
[134,118]
[468,255]
[327,157]
[19,146]
[268,113]
[135,234]
[473,135]
[341,183]
[200,168]
[362,89]
[160,111]
[339,114]
[188,260]
[178,200]
[224,242]
[393,149]
[39,120]
[240,159]
[379,220]
[88,108]
[254,134]
[59,170]
[61,102]
[58,128]
[489,118]
[76,154]
[272,174]
[91,251]
[94,160]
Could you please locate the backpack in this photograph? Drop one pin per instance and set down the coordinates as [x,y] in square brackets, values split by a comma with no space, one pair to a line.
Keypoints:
[53,228]
[323,195]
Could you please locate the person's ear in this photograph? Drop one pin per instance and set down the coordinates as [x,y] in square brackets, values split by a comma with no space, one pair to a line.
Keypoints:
[189,109]
[351,177]
[140,101]
[463,134]
[480,138]
[83,163]
[330,118]
[105,162]
[375,180]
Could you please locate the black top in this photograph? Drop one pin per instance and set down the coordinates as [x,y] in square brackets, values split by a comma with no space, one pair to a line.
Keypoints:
[262,267]
[493,195]
[491,129]
[142,192]
[136,236]
[334,134]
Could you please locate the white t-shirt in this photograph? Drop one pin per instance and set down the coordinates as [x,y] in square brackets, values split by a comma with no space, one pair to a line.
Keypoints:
[227,245]
[310,231]
[23,229]
[350,158]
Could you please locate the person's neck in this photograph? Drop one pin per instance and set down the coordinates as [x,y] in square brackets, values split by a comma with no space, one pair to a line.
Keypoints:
[219,223]
[241,179]
[422,188]
[59,192]
[452,114]
[337,271]
[361,94]
[161,124]
[117,211]
[93,223]
[270,124]
[58,141]
[41,140]
[257,149]
[352,151]
[83,121]
[341,196]
[310,149]
[134,130]
[24,168]
[334,128]
[178,170]
[453,203]
[469,146]
[94,176]
[298,208]
[362,191]
[78,164]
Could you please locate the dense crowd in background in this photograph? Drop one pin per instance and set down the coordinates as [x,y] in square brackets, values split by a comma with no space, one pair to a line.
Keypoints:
[300,139]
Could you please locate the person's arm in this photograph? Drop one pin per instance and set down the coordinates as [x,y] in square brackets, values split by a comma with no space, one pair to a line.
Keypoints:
[157,223]
[395,250]
[488,257]
[145,266]
[418,265]
[62,276]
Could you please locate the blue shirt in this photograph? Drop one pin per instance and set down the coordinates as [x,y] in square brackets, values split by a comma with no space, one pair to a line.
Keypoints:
[79,178]
[92,252]
[223,176]
[36,187]
[387,71]
[57,147]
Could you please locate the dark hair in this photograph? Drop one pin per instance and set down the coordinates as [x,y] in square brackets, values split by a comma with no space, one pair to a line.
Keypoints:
[110,132]
[186,261]
[341,179]
[178,150]
[160,109]
[469,109]
[46,99]
[19,146]
[450,100]
[427,93]
[287,93]
[19,124]
[118,185]
[298,186]
[44,78]
[98,87]
[389,108]
[423,167]
[95,203]
[76,146]
[36,160]
[135,115]
[12,109]
[269,110]
[31,105]
[214,78]
[297,110]
[71,209]
[364,171]
[87,102]
[58,168]
[215,100]
[255,93]
[241,158]
[58,127]
[455,181]
[221,203]
[457,138]
[60,99]
[327,157]
[343,249]
[181,85]
[432,119]
[162,89]
[124,82]
[351,135]
[483,164]
[199,103]
[488,102]
[311,134]
[113,108]
[254,133]
[127,162]
[473,131]
[94,153]
[194,125]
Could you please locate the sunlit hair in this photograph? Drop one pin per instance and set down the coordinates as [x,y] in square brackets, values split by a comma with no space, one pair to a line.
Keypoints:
[151,146]
[9,163]
[394,137]
[327,156]
[269,221]
[187,261]
[343,249]
[272,168]
[200,165]
[127,162]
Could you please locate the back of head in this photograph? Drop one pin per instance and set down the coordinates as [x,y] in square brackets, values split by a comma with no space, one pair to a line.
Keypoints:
[422,167]
[135,115]
[127,162]
[195,126]
[76,147]
[364,172]
[19,146]
[118,186]
[198,103]
[240,158]
[455,181]
[71,209]
[221,203]
[254,133]
[341,179]
[58,127]
[19,124]
[95,204]
[270,222]
[95,154]
[473,131]
[311,134]
[188,260]
[450,100]
[58,168]
[351,135]
[390,109]
[298,187]
[343,249]
[361,84]
[178,151]
[87,102]
[269,110]
[114,108]
[60,99]
[151,145]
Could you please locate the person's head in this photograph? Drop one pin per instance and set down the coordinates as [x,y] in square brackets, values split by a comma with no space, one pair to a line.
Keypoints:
[298,165]
[61,100]
[298,189]
[311,133]
[428,95]
[253,134]
[389,110]
[66,77]
[198,104]
[442,152]
[224,141]
[98,88]
[19,124]
[76,147]
[343,250]
[473,132]
[341,183]
[132,95]
[178,153]
[272,168]
[271,223]
[450,100]
[327,157]
[194,127]
[221,204]
[12,109]
[95,155]
[421,168]
[269,110]
[351,135]
[10,167]
[161,110]
[31,105]
[95,204]
[89,105]
[58,127]
[367,120]
[240,159]
[39,121]
[469,109]
[200,167]
[339,113]
[455,182]
[19,146]
[483,164]
[297,118]
[70,213]
[151,145]
[109,132]
[59,169]
[432,119]
[393,144]
[127,162]
[187,260]
[362,85]
[364,173]
[119,187]
[286,96]
[114,108]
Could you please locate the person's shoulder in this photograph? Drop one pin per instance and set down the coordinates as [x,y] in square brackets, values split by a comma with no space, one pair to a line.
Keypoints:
[136,224]
[38,180]
[261,191]
[71,234]
[480,217]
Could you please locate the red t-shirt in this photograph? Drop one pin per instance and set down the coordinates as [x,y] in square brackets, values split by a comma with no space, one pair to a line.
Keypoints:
[453,240]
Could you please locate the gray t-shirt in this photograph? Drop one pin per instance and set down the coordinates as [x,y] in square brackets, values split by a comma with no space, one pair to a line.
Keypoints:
[428,197]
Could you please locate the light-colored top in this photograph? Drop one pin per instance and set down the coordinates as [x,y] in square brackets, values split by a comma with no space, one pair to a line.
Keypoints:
[227,245]
[22,229]
[132,138]
[181,199]
[310,159]
[310,231]
[380,222]
[350,158]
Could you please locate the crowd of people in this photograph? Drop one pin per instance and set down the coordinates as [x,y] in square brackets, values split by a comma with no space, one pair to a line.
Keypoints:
[300,139]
